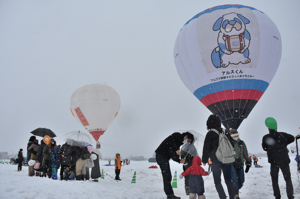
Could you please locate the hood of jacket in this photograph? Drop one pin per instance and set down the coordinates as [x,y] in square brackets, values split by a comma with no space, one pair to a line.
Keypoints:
[197,160]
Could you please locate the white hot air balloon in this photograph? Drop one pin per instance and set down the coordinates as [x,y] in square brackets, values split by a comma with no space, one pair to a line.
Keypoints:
[95,106]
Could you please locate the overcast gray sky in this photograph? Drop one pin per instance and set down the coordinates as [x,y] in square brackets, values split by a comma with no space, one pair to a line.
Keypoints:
[48,49]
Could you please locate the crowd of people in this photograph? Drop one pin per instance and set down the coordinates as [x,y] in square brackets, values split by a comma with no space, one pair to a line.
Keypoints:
[225,153]
[223,150]
[46,158]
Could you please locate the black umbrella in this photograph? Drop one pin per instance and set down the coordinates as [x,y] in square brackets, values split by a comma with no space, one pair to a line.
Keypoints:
[42,132]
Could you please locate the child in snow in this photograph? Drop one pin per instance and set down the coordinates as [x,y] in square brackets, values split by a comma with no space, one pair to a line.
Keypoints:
[118,164]
[69,173]
[196,183]
[254,159]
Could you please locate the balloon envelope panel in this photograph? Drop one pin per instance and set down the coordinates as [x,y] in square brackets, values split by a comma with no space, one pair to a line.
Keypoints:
[227,56]
[95,106]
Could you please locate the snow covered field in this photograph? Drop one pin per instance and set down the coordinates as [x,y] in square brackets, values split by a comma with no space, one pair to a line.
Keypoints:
[14,184]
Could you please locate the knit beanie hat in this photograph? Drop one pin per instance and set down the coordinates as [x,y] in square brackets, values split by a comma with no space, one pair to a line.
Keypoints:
[234,133]
[213,121]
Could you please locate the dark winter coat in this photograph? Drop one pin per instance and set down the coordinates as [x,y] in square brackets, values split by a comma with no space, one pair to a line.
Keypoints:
[170,145]
[188,159]
[275,143]
[211,144]
[20,157]
[74,151]
[34,148]
[65,159]
[241,152]
[47,152]
[28,151]
[40,154]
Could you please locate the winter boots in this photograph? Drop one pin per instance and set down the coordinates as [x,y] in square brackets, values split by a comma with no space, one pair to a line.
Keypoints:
[187,190]
[30,171]
[80,177]
[237,195]
[173,197]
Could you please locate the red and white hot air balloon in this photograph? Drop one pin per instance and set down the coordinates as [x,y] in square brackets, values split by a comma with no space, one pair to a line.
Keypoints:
[95,106]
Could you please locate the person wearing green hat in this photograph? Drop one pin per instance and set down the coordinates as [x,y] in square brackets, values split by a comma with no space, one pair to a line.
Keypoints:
[275,143]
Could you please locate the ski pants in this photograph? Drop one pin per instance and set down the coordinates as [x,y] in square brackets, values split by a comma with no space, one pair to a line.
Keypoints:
[20,166]
[196,184]
[80,167]
[117,171]
[164,165]
[217,168]
[285,169]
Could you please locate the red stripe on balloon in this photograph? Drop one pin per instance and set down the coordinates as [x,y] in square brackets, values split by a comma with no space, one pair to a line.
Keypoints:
[231,95]
[96,134]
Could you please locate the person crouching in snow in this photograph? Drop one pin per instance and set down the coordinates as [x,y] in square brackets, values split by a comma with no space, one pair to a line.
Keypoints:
[118,164]
[196,183]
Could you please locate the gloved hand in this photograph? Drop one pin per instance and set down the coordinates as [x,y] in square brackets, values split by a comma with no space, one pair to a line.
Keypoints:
[247,168]
[180,176]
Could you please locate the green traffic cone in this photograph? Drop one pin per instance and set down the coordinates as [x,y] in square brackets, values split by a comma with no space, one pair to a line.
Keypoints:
[134,178]
[174,182]
[102,175]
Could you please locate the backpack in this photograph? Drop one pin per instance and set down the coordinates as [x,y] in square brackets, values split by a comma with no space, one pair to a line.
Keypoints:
[225,151]
[84,153]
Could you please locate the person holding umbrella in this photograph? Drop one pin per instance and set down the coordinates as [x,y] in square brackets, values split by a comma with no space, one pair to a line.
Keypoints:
[188,151]
[48,151]
[42,132]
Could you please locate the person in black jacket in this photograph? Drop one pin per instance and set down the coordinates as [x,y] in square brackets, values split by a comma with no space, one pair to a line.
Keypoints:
[169,149]
[210,146]
[66,160]
[275,143]
[20,159]
[74,151]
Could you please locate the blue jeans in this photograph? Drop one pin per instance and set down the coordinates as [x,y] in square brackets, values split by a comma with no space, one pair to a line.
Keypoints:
[237,177]
[217,168]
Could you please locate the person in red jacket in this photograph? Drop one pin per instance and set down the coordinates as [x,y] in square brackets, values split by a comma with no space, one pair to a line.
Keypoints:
[196,183]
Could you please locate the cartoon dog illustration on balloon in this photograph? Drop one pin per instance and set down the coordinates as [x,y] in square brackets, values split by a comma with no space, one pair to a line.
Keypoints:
[233,41]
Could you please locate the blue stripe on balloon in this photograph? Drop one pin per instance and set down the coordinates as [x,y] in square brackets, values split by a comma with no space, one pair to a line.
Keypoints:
[219,8]
[252,84]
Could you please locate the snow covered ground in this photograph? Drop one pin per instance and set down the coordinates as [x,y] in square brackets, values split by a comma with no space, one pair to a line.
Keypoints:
[14,184]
